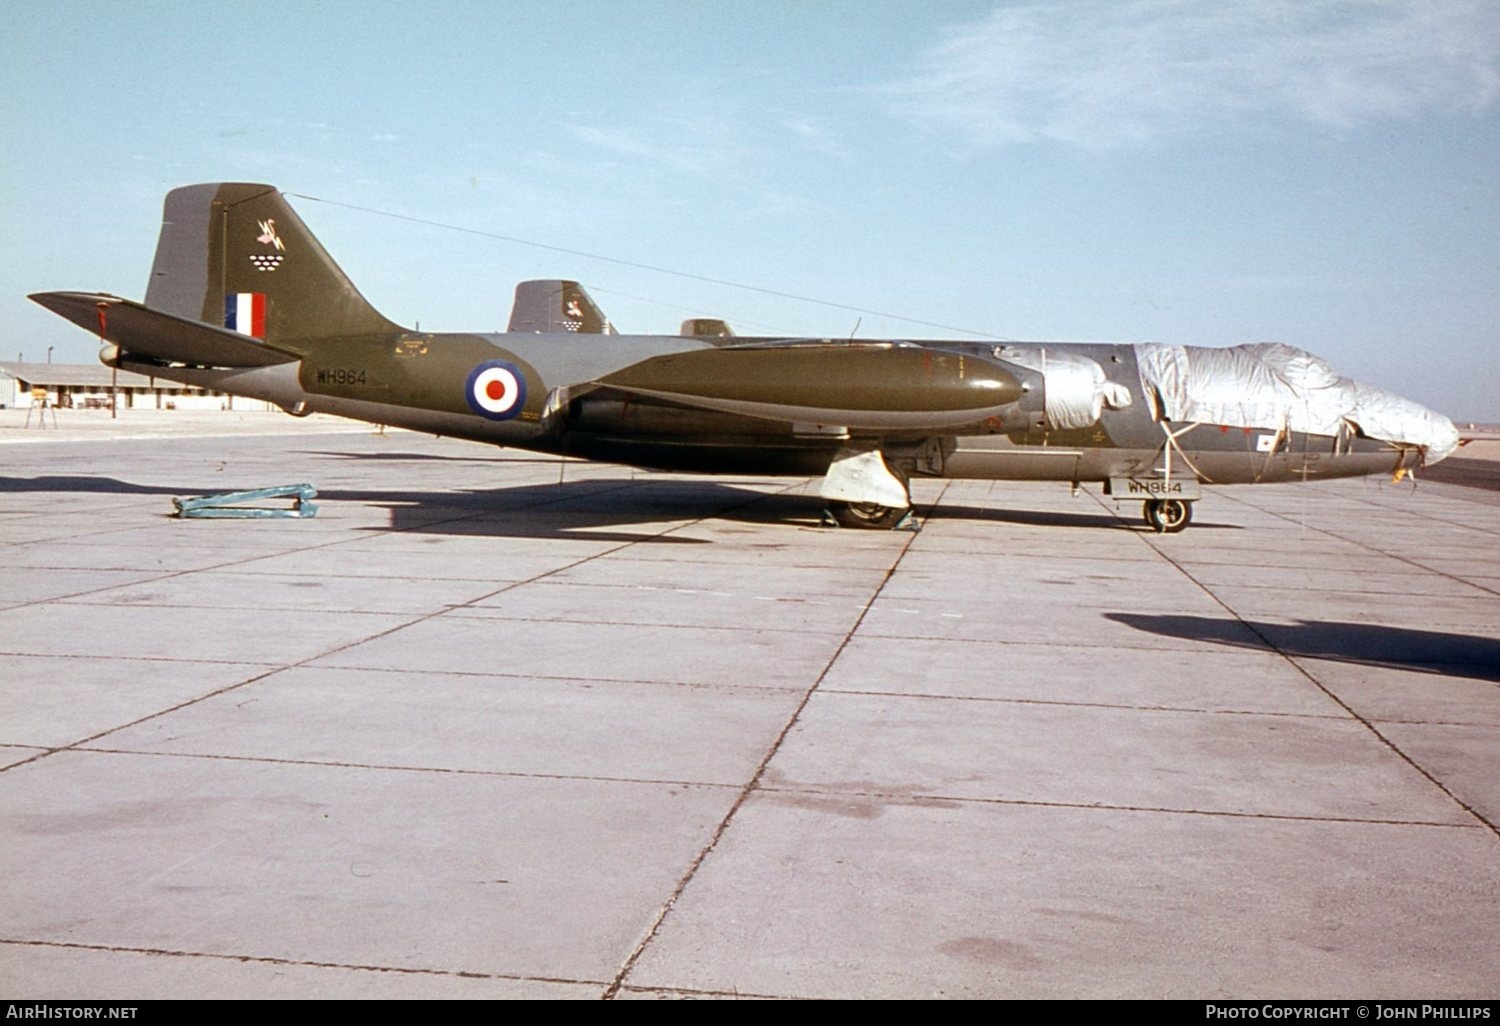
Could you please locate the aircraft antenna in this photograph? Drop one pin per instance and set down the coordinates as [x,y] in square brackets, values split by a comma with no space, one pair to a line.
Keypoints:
[648,267]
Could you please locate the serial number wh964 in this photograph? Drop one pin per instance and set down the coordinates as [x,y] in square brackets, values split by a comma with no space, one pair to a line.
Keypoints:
[341,376]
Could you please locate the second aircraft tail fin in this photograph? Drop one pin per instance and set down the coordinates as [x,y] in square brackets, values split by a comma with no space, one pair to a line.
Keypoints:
[550,304]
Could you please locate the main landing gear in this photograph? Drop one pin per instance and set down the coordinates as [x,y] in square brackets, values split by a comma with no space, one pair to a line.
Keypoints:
[862,490]
[867,514]
[1167,516]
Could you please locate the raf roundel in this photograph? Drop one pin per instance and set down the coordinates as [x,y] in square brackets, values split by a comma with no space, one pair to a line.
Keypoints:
[496,390]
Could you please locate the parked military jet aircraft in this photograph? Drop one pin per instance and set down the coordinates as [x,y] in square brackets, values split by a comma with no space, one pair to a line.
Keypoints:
[243,299]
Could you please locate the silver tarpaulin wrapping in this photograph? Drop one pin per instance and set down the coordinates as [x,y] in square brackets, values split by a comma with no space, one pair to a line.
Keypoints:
[1076,389]
[1281,388]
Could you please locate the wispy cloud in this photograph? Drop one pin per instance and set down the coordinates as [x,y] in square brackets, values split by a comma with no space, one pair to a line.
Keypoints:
[687,144]
[1105,72]
[812,135]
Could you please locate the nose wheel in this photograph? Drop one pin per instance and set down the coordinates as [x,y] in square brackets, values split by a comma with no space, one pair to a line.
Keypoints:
[1167,516]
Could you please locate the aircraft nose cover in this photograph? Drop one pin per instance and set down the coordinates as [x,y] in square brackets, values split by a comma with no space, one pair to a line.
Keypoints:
[1382,414]
[1274,386]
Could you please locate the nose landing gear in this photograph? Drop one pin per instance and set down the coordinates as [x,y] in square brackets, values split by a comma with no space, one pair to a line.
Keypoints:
[1167,516]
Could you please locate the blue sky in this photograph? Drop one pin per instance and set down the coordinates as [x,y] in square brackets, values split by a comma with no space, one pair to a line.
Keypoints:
[1208,173]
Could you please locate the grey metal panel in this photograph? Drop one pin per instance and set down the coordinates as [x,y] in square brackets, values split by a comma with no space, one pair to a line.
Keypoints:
[566,359]
[179,273]
[1013,463]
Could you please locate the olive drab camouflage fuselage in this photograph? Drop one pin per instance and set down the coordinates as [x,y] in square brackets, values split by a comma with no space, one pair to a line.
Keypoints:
[243,299]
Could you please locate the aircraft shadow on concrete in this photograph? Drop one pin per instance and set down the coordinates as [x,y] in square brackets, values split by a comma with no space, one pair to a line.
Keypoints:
[90,484]
[583,509]
[565,508]
[1360,644]
[1128,518]
[425,457]
[1466,473]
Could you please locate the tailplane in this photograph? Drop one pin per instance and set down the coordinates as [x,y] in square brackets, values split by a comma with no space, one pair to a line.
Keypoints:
[237,256]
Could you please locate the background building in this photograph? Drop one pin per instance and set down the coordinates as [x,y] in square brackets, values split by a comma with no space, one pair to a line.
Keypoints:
[89,386]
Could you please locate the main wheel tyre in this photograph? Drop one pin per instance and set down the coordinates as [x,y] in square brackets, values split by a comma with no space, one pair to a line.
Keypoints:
[1168,516]
[867,514]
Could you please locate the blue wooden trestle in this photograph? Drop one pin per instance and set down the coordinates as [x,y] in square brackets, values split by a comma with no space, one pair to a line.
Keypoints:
[232,504]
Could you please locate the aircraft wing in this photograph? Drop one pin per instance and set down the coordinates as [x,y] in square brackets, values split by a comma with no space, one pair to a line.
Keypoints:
[144,332]
[864,385]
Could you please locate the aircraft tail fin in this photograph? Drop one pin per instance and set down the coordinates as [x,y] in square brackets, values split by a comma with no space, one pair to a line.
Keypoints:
[237,256]
[710,327]
[549,304]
